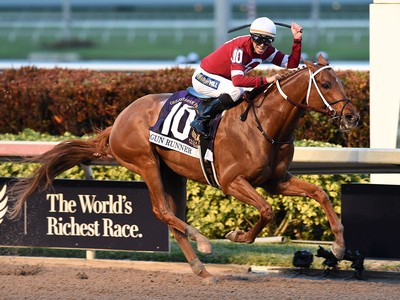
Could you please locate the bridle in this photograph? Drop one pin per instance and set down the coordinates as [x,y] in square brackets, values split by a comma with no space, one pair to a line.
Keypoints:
[312,82]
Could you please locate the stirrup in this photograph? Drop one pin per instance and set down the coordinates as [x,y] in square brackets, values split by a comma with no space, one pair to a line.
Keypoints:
[205,132]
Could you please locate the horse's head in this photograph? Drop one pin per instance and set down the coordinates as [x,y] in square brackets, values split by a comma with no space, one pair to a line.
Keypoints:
[326,94]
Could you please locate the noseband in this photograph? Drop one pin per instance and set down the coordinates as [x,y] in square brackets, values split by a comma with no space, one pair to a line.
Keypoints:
[329,110]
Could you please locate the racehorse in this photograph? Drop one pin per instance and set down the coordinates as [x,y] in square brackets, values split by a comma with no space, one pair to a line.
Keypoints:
[253,147]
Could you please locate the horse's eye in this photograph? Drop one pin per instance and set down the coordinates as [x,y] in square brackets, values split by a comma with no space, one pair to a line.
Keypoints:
[326,85]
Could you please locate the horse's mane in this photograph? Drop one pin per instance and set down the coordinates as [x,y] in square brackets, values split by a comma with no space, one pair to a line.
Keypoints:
[268,87]
[292,72]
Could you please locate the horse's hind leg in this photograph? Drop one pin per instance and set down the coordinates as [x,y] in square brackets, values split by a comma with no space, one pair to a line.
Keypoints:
[175,192]
[197,266]
[148,166]
[162,209]
[298,187]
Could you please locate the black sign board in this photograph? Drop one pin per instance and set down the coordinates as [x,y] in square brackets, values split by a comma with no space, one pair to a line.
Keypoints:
[371,219]
[85,214]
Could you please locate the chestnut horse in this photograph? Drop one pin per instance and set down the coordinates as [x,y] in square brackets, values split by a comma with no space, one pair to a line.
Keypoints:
[252,151]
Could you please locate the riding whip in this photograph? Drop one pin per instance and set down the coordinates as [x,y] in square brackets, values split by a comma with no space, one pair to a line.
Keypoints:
[248,25]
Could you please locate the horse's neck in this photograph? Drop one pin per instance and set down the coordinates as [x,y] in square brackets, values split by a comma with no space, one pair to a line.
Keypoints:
[295,85]
[278,116]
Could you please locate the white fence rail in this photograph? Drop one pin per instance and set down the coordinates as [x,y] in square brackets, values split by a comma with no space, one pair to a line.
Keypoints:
[307,160]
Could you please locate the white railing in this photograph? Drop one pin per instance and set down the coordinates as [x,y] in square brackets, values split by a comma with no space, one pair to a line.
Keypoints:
[135,66]
[307,160]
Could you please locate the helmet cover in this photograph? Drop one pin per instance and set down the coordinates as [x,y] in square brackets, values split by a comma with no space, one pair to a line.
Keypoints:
[263,26]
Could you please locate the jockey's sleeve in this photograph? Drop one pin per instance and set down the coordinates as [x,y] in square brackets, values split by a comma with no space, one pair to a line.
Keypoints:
[287,61]
[294,57]
[239,79]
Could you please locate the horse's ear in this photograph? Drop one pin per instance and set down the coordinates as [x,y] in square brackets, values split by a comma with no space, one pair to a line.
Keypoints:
[309,65]
[322,61]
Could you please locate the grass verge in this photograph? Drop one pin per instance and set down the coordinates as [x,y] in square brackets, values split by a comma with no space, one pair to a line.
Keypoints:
[224,252]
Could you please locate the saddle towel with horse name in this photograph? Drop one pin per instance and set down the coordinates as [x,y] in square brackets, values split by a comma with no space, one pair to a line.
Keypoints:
[173,131]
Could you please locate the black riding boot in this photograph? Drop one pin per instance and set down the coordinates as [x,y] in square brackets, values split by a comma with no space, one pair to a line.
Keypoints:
[208,111]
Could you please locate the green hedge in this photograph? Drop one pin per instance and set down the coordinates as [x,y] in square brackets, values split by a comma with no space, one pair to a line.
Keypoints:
[214,213]
[58,100]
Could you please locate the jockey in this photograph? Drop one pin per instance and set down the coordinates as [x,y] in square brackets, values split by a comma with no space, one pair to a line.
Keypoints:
[222,74]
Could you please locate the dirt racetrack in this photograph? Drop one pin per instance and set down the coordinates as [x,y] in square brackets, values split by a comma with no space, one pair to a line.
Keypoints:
[55,278]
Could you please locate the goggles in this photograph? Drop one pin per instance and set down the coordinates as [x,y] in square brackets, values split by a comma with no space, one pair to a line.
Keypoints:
[266,40]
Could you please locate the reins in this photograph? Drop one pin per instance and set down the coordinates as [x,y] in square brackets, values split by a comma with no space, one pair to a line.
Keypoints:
[243,117]
[261,129]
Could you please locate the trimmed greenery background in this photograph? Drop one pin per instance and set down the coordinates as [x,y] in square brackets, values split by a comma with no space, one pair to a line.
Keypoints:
[58,101]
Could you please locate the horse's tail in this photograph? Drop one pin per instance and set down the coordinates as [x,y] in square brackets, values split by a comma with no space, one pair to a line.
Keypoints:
[60,158]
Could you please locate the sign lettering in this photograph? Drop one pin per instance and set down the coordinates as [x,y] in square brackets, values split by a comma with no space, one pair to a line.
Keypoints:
[87,214]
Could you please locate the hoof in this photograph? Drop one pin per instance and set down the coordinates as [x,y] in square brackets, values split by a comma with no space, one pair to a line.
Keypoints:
[209,281]
[338,251]
[234,235]
[203,245]
[231,236]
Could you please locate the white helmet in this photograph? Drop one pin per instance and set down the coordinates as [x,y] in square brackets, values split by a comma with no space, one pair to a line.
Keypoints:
[263,26]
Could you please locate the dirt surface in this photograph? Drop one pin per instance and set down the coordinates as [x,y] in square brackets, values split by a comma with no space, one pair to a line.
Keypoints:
[54,278]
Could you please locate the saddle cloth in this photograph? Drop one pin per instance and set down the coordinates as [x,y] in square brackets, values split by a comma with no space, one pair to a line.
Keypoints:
[173,131]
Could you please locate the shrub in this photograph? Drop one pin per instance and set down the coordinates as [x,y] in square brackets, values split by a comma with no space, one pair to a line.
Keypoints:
[215,214]
[58,100]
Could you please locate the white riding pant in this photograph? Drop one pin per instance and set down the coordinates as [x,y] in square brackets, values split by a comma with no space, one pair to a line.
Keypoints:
[214,85]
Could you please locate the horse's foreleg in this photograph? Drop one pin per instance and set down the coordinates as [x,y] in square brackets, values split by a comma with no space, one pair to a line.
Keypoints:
[243,191]
[298,187]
